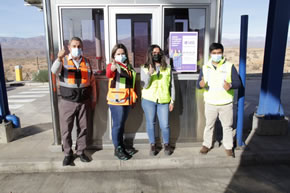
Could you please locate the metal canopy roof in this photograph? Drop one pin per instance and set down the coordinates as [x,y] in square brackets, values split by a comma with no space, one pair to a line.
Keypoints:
[36,3]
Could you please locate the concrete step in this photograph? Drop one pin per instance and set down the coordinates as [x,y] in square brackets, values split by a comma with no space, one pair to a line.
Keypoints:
[35,153]
[103,160]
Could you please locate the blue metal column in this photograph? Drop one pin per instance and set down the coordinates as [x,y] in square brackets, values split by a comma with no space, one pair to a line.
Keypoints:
[242,72]
[4,110]
[274,57]
[4,107]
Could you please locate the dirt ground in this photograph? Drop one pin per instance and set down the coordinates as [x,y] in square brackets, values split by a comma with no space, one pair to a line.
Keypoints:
[29,67]
[255,58]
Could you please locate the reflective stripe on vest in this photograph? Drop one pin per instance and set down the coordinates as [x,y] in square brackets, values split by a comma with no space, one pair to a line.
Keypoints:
[71,77]
[120,95]
[158,90]
[216,94]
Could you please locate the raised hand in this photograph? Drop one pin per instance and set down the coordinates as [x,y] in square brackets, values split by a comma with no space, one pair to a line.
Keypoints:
[227,86]
[61,54]
[202,83]
[113,66]
[151,69]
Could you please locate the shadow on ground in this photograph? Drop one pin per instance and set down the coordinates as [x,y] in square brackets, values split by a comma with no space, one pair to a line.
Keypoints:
[32,130]
[268,169]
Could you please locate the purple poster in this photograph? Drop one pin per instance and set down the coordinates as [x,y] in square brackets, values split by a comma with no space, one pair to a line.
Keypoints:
[183,51]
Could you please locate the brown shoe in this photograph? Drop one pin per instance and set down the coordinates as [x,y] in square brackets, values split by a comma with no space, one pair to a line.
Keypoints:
[229,152]
[204,150]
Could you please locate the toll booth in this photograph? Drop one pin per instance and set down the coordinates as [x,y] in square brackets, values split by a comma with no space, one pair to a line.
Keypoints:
[137,24]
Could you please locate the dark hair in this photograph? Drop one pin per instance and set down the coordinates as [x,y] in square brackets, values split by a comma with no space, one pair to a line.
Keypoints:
[120,46]
[149,57]
[76,39]
[215,46]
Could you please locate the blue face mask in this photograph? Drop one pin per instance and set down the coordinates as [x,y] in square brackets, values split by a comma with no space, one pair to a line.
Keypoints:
[216,57]
[121,58]
[76,52]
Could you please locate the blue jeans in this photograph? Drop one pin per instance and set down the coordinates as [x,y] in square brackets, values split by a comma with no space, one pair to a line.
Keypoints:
[162,110]
[119,115]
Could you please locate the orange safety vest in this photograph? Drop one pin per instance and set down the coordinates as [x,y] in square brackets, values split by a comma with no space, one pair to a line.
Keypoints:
[75,84]
[121,89]
[71,77]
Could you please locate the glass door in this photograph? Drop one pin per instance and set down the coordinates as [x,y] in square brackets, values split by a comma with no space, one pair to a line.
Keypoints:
[137,28]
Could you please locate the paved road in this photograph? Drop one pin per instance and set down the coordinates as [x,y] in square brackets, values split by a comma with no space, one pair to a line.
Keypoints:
[253,87]
[30,103]
[270,179]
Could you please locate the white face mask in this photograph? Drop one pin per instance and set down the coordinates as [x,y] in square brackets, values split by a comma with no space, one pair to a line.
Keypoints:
[216,57]
[76,52]
[120,58]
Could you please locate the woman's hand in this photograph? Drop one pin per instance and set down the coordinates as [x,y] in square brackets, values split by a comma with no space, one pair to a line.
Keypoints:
[151,69]
[113,66]
[171,106]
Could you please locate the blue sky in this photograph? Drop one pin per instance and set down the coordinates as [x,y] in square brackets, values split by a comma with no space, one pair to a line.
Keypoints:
[257,11]
[18,20]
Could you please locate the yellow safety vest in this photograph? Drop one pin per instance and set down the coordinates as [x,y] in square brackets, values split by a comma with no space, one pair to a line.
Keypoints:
[158,89]
[214,78]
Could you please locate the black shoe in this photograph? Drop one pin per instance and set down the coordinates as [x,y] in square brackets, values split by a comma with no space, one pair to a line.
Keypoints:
[131,150]
[68,160]
[121,154]
[84,158]
[153,149]
[167,149]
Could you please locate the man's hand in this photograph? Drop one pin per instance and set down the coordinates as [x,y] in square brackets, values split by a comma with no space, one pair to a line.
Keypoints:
[151,69]
[171,107]
[61,54]
[227,86]
[202,83]
[113,66]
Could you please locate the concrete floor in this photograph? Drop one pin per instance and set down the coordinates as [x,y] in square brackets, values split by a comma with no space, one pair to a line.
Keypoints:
[264,178]
[260,178]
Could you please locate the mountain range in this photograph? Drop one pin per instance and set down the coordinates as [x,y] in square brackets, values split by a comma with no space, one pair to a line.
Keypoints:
[253,42]
[13,47]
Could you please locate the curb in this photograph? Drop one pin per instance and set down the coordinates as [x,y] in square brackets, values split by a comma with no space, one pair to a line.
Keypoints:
[192,160]
[27,83]
[255,76]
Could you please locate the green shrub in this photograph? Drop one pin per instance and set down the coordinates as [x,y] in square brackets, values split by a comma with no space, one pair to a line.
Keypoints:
[41,76]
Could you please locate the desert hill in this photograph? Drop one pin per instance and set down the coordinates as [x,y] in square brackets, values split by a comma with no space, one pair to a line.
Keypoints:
[30,53]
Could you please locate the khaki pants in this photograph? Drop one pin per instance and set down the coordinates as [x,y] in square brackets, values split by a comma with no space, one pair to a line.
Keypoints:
[225,114]
[68,111]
